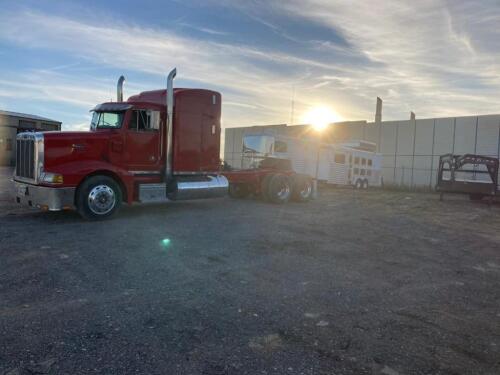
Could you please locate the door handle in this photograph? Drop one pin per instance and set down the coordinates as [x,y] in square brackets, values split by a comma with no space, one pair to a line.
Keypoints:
[78,147]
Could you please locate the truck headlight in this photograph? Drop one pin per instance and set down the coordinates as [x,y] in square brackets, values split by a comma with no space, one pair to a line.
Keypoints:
[52,178]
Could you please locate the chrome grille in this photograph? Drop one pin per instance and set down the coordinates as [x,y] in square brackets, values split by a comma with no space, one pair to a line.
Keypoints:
[29,156]
[25,158]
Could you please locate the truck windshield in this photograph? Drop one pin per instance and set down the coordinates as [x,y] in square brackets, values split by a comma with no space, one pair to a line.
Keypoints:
[106,120]
[258,145]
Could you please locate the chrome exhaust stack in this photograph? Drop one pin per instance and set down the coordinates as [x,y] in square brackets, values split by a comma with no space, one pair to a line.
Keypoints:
[170,125]
[119,89]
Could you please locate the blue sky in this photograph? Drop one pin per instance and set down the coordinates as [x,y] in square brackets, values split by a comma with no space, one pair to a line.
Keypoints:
[437,58]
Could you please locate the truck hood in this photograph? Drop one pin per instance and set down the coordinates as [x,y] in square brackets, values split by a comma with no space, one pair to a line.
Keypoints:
[69,146]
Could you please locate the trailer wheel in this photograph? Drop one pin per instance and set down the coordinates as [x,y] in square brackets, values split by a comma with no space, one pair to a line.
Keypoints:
[365,184]
[358,184]
[98,197]
[238,191]
[302,188]
[279,189]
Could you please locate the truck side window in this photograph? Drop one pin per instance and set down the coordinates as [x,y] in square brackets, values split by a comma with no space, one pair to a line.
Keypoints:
[363,161]
[356,160]
[144,120]
[370,162]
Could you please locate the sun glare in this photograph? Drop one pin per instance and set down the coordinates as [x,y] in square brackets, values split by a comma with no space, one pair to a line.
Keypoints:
[321,117]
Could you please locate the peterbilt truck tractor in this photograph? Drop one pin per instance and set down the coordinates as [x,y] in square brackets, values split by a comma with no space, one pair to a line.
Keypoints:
[158,146]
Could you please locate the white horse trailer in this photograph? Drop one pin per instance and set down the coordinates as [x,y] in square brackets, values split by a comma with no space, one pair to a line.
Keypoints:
[351,163]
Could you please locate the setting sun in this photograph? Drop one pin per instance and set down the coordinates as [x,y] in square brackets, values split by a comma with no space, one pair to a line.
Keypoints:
[320,117]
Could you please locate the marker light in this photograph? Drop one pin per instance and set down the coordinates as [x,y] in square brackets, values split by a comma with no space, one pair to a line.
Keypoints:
[52,178]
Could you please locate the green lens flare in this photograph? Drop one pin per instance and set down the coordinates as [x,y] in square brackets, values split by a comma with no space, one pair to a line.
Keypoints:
[165,242]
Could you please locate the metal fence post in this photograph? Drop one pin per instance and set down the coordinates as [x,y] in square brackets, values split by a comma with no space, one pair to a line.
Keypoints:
[432,153]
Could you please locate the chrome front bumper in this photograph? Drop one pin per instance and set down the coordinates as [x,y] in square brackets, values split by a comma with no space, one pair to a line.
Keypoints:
[45,198]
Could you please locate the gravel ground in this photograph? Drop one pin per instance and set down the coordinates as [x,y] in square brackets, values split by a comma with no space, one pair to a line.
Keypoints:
[372,282]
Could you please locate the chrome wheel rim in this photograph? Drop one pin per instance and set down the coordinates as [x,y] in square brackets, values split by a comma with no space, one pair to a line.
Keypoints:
[306,191]
[101,199]
[284,191]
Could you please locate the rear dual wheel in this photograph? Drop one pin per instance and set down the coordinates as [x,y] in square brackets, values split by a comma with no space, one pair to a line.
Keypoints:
[280,188]
[302,188]
[276,188]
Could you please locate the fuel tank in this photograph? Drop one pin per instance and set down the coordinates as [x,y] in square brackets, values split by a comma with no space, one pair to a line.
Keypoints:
[197,187]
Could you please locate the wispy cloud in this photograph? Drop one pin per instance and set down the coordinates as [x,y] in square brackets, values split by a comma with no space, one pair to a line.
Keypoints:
[423,48]
[435,57]
[233,68]
[202,29]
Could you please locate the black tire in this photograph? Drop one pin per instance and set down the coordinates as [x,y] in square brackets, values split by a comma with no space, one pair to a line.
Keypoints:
[238,191]
[98,198]
[476,197]
[279,189]
[302,188]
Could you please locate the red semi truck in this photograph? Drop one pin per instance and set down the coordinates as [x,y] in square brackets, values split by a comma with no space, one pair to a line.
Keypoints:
[157,146]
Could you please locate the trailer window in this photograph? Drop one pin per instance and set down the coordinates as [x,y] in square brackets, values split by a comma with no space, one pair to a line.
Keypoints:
[370,162]
[340,158]
[144,120]
[356,160]
[280,146]
[363,161]
[363,172]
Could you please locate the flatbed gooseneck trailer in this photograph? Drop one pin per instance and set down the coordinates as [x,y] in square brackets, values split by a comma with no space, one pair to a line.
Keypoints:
[157,146]
[476,175]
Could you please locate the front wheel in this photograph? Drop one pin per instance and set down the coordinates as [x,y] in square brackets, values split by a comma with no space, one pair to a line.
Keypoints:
[98,197]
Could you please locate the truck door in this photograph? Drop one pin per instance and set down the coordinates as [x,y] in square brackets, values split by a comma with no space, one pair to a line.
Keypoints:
[143,150]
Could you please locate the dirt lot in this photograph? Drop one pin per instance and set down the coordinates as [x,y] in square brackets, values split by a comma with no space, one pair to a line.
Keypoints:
[369,282]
